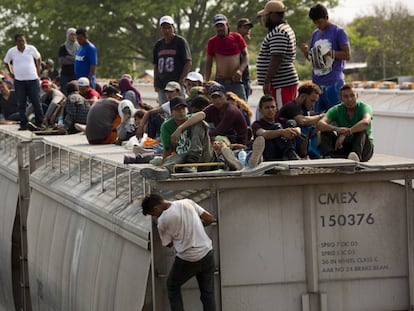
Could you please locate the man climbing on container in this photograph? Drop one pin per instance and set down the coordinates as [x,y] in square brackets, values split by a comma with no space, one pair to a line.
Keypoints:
[347,129]
[180,224]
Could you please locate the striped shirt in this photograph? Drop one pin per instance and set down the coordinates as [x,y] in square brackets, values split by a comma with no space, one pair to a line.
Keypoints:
[280,41]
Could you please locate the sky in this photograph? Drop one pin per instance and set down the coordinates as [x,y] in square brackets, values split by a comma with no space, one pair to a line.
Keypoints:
[347,10]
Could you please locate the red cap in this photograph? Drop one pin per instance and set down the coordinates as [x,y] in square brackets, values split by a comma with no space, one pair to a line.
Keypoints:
[46,82]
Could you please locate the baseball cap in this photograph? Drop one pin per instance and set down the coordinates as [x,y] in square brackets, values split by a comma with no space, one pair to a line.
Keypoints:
[194,76]
[109,90]
[244,22]
[216,90]
[82,82]
[46,82]
[219,19]
[273,6]
[195,91]
[172,86]
[166,19]
[177,101]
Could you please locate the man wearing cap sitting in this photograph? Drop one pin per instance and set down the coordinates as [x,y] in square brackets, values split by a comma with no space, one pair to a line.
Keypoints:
[226,48]
[275,69]
[225,118]
[90,94]
[244,25]
[52,100]
[171,58]
[103,118]
[185,140]
[193,79]
[151,120]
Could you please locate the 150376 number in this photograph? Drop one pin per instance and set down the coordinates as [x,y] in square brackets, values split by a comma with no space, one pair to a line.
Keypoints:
[347,220]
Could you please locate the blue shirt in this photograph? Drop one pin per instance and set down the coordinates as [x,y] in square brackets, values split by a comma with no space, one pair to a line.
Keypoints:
[331,39]
[86,56]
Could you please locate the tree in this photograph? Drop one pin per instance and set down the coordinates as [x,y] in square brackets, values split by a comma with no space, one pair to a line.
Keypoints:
[125,31]
[385,41]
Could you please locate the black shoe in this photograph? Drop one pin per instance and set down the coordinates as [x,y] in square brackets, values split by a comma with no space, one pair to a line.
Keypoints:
[33,127]
[186,170]
[137,159]
[23,127]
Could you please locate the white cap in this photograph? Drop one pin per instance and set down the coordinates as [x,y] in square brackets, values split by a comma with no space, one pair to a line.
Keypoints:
[195,76]
[82,82]
[166,19]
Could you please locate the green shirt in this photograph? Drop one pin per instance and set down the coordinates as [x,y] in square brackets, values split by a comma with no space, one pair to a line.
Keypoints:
[184,140]
[339,115]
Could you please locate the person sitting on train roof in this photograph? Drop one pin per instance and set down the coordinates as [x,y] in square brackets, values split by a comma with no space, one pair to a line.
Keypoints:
[301,110]
[347,128]
[87,91]
[185,140]
[279,142]
[154,117]
[51,101]
[75,109]
[225,118]
[103,118]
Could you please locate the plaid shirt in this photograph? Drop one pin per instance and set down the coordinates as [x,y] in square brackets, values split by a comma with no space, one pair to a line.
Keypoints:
[76,111]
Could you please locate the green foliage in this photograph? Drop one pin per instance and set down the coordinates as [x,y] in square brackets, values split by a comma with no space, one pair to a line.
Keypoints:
[126,30]
[385,41]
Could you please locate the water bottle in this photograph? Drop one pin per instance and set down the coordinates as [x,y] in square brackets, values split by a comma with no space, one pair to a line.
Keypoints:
[242,157]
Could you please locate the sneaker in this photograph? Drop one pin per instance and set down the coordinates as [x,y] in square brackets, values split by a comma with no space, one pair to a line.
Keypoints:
[23,127]
[155,173]
[231,160]
[291,155]
[353,156]
[257,151]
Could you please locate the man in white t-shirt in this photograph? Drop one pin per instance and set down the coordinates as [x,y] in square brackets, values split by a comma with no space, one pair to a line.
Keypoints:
[23,63]
[180,224]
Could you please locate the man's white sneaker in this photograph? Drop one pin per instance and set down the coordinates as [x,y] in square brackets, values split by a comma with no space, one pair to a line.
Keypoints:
[233,163]
[353,156]
[257,152]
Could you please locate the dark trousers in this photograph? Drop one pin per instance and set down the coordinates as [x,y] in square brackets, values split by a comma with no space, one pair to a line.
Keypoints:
[182,271]
[360,144]
[29,89]
[277,149]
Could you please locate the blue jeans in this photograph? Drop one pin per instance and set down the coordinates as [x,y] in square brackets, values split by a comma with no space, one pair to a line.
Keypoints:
[182,271]
[232,86]
[29,89]
[330,96]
